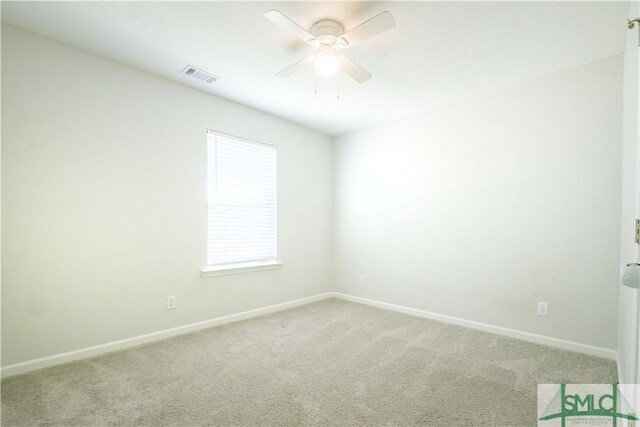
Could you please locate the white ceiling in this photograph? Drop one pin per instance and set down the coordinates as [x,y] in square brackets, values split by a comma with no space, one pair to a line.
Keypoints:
[438,52]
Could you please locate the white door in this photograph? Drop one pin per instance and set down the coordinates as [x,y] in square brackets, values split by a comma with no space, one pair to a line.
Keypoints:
[628,325]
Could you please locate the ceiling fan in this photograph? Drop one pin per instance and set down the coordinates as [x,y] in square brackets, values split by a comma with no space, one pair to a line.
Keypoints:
[327,37]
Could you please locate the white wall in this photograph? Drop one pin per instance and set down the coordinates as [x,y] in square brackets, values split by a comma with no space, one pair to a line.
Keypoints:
[477,209]
[481,208]
[104,202]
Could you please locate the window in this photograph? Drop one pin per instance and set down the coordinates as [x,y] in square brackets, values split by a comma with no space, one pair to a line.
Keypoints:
[241,204]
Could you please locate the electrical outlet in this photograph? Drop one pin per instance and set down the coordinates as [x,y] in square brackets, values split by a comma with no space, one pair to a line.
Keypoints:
[171,303]
[543,309]
[362,280]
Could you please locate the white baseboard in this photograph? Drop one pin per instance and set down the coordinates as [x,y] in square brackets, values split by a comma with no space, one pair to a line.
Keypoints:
[499,330]
[70,356]
[83,353]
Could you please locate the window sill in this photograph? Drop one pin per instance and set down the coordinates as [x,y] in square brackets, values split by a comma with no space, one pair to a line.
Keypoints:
[245,267]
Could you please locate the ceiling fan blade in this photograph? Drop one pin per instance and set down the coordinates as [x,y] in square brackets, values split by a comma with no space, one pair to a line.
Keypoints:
[295,67]
[288,24]
[374,26]
[354,71]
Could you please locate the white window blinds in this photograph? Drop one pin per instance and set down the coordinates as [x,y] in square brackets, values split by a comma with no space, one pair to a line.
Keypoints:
[242,201]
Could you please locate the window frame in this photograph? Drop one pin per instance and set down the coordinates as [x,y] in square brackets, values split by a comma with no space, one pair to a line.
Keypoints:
[246,266]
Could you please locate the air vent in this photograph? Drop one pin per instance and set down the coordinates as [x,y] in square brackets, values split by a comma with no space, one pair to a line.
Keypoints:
[199,74]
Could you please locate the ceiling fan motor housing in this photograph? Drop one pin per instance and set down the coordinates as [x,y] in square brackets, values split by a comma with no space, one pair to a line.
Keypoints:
[328,32]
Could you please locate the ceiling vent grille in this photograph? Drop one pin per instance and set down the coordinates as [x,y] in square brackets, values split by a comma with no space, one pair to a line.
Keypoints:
[199,74]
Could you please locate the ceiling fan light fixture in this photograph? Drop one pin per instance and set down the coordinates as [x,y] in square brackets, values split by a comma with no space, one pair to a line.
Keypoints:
[326,63]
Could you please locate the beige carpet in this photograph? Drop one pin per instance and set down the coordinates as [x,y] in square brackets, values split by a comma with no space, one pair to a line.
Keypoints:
[328,363]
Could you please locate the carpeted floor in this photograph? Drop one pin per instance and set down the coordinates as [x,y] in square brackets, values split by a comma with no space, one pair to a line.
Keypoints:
[327,363]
